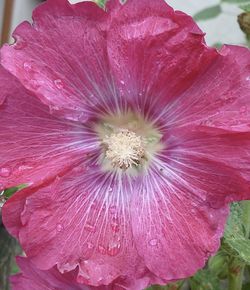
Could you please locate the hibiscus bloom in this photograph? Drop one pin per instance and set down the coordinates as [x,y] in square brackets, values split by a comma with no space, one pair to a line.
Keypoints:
[132,135]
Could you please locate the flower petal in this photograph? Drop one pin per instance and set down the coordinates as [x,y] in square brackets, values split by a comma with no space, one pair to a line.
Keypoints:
[229,148]
[35,146]
[219,97]
[67,71]
[80,220]
[179,214]
[34,279]
[155,52]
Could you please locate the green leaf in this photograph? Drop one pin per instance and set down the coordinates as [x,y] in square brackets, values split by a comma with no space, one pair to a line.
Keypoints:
[10,191]
[235,1]
[218,264]
[172,286]
[205,280]
[235,241]
[245,7]
[100,2]
[208,13]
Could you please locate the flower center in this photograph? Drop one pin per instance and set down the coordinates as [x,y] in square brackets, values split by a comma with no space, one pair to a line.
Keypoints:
[128,143]
[124,149]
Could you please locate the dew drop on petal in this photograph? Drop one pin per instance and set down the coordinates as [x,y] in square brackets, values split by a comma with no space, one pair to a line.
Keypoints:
[115,227]
[90,228]
[5,171]
[34,84]
[248,78]
[27,66]
[122,82]
[114,248]
[58,83]
[59,227]
[113,209]
[153,242]
[102,250]
[243,109]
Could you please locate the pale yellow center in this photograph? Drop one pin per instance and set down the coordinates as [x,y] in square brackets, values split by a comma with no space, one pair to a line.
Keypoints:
[124,149]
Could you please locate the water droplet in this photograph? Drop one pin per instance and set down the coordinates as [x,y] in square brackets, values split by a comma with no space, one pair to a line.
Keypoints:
[115,227]
[122,82]
[114,248]
[248,78]
[88,249]
[5,172]
[58,83]
[83,117]
[34,84]
[90,245]
[27,66]
[243,109]
[113,209]
[102,250]
[90,228]
[110,189]
[153,242]
[59,227]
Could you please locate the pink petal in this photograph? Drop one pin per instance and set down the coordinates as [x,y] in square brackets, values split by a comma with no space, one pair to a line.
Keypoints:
[80,220]
[229,148]
[35,146]
[179,214]
[219,97]
[155,52]
[34,279]
[67,71]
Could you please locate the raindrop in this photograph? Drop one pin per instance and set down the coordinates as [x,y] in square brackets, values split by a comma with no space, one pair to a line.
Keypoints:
[114,248]
[102,250]
[243,109]
[88,249]
[58,83]
[90,245]
[153,242]
[90,228]
[122,82]
[248,78]
[110,189]
[83,117]
[59,227]
[115,227]
[5,172]
[113,209]
[34,84]
[27,66]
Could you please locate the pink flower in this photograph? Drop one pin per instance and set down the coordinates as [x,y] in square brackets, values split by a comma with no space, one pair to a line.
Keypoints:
[132,135]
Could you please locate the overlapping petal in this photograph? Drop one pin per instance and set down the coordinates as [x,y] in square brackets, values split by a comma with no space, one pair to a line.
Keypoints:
[180,208]
[62,58]
[219,97]
[163,52]
[35,146]
[34,279]
[80,220]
